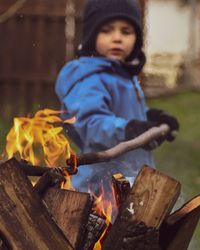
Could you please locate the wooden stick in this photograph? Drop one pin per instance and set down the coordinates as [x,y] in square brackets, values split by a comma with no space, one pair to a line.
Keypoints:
[83,159]
[119,149]
[33,170]
[51,178]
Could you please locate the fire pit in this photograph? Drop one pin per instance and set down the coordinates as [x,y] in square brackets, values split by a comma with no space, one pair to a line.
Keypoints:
[50,215]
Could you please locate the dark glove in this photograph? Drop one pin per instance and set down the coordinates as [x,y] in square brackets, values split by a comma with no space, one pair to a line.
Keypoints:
[134,128]
[160,117]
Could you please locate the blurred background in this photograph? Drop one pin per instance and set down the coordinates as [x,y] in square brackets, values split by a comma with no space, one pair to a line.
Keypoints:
[38,37]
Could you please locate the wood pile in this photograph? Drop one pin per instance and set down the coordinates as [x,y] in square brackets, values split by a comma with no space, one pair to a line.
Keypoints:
[45,216]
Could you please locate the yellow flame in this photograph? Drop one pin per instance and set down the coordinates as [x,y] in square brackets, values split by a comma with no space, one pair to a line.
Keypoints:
[39,139]
[106,209]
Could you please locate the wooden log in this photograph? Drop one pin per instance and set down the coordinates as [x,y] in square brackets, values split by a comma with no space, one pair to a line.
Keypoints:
[24,221]
[177,230]
[51,178]
[121,187]
[151,199]
[95,227]
[71,212]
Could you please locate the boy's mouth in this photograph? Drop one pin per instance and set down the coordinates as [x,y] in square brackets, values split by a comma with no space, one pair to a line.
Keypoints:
[116,51]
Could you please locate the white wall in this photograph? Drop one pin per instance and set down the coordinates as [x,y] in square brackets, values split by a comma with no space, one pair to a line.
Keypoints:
[167,27]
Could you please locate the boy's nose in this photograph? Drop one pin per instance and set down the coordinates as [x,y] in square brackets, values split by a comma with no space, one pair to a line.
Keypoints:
[117,36]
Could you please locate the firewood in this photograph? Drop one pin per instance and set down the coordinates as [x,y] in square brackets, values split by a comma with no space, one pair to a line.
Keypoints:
[51,178]
[24,221]
[71,212]
[34,170]
[177,230]
[128,235]
[150,200]
[95,227]
[121,188]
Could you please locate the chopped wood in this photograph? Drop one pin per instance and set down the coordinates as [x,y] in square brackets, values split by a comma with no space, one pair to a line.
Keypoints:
[34,170]
[52,177]
[121,187]
[178,228]
[31,170]
[95,227]
[152,197]
[71,212]
[128,235]
[150,200]
[121,148]
[24,221]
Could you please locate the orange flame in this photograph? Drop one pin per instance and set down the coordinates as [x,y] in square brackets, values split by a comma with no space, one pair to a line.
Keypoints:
[106,209]
[37,140]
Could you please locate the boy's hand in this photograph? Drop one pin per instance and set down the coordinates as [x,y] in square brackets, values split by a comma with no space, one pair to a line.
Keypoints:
[134,128]
[159,117]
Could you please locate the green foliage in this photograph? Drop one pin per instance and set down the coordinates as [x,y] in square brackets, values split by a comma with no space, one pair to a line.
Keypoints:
[4,128]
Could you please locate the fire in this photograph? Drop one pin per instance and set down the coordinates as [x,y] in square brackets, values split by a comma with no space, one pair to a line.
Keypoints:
[38,140]
[107,209]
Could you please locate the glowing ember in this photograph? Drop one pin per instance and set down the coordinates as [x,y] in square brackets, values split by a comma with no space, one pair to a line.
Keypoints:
[38,140]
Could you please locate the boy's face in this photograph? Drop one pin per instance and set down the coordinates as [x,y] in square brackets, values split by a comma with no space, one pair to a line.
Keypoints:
[116,40]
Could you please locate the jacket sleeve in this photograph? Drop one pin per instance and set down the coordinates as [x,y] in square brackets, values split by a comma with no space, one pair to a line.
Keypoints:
[91,103]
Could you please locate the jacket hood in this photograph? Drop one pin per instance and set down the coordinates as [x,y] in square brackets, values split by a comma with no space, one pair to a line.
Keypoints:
[77,70]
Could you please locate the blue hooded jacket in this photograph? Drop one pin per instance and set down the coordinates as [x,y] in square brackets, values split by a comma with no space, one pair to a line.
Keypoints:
[104,97]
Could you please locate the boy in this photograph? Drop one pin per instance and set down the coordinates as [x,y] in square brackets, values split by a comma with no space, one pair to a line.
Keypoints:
[102,91]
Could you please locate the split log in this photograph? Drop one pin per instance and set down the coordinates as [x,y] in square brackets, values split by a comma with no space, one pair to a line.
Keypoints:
[95,227]
[121,188]
[24,221]
[51,178]
[151,199]
[177,230]
[71,212]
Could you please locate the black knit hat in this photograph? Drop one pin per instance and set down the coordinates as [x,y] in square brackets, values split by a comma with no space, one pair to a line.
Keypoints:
[97,12]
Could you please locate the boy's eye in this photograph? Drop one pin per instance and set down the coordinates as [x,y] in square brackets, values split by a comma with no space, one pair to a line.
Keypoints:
[127,31]
[105,30]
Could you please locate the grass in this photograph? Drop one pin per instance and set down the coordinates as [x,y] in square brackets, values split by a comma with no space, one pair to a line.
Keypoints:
[180,159]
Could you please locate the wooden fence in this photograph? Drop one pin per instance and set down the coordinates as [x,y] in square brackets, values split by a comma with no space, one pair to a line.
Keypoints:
[32,51]
[33,47]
